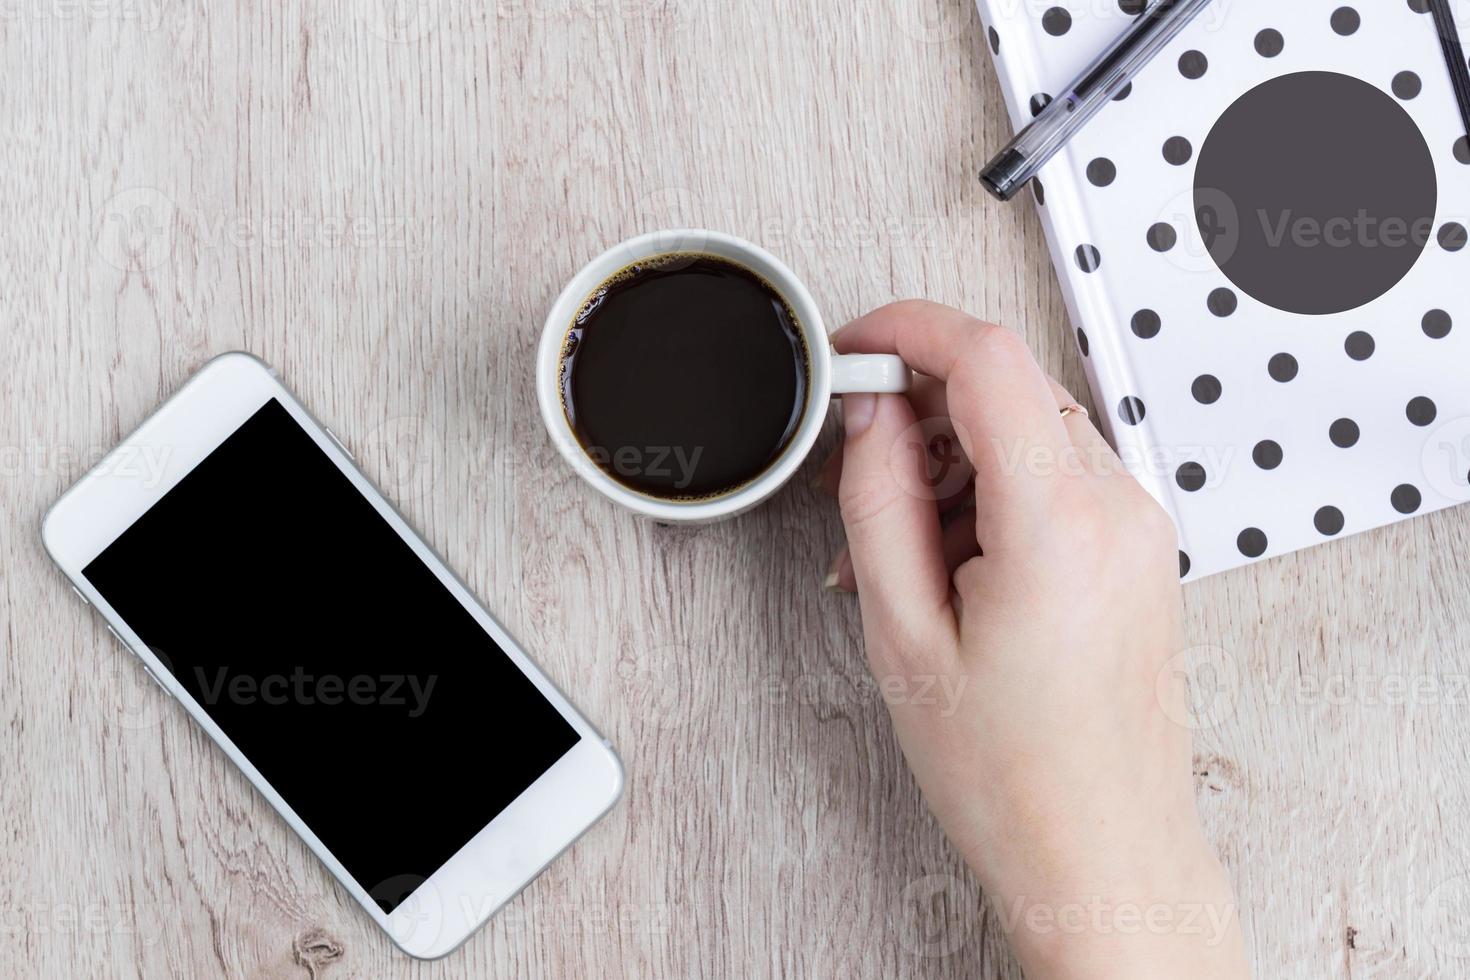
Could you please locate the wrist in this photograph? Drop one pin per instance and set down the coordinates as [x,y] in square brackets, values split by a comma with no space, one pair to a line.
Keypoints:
[1168,917]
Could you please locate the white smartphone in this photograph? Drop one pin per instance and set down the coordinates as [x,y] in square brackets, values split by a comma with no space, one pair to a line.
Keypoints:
[231,543]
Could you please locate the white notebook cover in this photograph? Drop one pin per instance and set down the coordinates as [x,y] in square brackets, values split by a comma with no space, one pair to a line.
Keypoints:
[1270,421]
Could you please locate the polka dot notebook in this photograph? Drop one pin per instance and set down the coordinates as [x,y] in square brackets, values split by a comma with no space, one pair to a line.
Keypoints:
[1262,246]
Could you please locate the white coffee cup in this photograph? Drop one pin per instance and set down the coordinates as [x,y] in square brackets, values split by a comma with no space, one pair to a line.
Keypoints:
[831,373]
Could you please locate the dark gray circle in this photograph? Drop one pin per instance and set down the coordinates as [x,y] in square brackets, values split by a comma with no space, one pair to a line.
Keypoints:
[1343,433]
[1345,21]
[1436,324]
[1359,345]
[1270,43]
[1039,101]
[1124,92]
[1406,85]
[1328,521]
[1406,498]
[1267,454]
[1088,258]
[1082,344]
[1056,21]
[1282,367]
[1251,542]
[1190,477]
[1146,324]
[994,41]
[1131,410]
[1162,237]
[1132,7]
[1452,236]
[1221,302]
[1193,64]
[1462,149]
[1177,151]
[1421,411]
[1101,172]
[1206,389]
[1290,195]
[1183,564]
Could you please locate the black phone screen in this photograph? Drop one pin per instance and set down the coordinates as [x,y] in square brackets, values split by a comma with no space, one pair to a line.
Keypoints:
[331,655]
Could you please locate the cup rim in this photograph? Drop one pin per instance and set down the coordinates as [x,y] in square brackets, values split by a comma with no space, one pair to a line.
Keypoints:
[681,240]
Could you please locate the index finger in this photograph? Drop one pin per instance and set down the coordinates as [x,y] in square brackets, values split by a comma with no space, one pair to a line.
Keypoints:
[999,398]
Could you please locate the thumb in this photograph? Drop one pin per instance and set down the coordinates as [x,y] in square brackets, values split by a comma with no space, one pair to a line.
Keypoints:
[893,533]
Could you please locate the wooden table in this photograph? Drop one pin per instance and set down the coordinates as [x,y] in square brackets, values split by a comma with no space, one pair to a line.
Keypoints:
[381,200]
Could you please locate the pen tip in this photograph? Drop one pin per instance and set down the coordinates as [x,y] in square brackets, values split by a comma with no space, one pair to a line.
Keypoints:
[1003,176]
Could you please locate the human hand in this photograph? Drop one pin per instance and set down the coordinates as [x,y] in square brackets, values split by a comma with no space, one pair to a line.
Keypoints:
[1063,774]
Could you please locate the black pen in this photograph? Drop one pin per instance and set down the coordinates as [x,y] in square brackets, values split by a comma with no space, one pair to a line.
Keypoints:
[1454,55]
[1103,79]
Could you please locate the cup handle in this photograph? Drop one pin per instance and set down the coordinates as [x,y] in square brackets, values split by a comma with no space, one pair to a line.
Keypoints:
[869,373]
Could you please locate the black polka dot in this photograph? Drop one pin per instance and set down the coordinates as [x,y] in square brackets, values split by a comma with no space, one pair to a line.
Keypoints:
[1056,21]
[1088,258]
[1419,6]
[1193,64]
[1132,7]
[1251,542]
[1421,410]
[1328,520]
[1131,410]
[1282,367]
[1190,477]
[1101,172]
[1124,92]
[994,41]
[1436,324]
[1452,236]
[1405,498]
[1267,454]
[1269,43]
[1206,389]
[1183,564]
[1177,151]
[1222,301]
[1406,85]
[1039,101]
[1343,433]
[1462,149]
[1038,192]
[1146,324]
[1345,21]
[1082,341]
[1359,345]
[1162,237]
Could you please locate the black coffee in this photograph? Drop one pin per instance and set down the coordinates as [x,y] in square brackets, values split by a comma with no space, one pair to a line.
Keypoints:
[685,376]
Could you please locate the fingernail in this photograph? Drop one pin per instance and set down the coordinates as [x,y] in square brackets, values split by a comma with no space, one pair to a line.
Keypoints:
[840,570]
[857,412]
[829,475]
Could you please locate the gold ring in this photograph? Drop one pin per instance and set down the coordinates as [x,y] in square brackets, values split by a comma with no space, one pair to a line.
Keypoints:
[1075,409]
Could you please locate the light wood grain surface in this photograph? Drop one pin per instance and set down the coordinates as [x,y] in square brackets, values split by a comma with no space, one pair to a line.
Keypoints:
[381,199]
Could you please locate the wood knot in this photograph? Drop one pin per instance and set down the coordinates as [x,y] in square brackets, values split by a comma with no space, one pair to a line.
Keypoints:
[316,949]
[1215,773]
